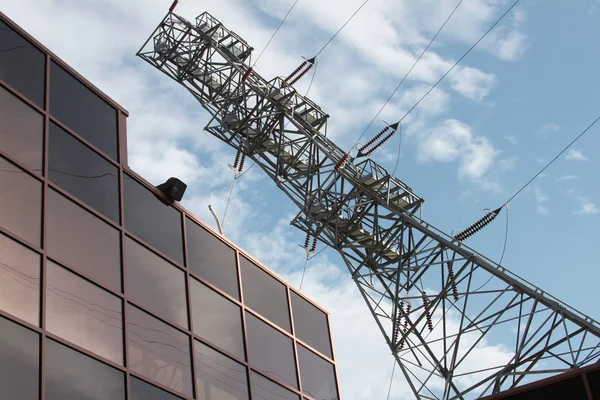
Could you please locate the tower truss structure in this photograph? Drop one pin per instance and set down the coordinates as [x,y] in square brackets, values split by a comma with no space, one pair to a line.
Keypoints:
[459,325]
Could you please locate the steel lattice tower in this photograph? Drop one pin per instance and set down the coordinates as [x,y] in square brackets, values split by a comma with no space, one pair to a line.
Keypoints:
[459,325]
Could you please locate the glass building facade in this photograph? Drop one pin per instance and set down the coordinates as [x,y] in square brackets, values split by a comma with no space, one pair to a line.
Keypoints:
[108,290]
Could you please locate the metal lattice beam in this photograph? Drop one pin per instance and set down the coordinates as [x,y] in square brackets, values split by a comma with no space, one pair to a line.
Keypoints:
[459,325]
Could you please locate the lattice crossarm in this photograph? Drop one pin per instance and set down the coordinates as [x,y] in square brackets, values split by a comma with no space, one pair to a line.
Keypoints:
[459,325]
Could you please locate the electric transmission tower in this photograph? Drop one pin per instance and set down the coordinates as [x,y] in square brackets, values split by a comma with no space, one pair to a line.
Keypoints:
[459,325]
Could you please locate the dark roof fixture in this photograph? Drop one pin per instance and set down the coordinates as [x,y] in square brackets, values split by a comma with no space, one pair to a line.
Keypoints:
[173,188]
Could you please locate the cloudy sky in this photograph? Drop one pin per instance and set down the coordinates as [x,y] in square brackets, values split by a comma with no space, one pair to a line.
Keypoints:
[513,103]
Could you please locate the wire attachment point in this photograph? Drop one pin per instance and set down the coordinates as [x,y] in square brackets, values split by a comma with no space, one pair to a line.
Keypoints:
[300,71]
[364,152]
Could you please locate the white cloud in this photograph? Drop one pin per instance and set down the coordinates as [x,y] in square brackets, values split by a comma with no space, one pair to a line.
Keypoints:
[507,41]
[568,178]
[165,134]
[511,139]
[588,208]
[473,83]
[454,141]
[576,155]
[507,164]
[549,127]
[511,47]
[541,199]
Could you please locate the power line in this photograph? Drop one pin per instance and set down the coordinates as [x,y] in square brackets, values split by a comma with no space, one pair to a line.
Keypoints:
[303,272]
[409,71]
[552,161]
[460,59]
[441,79]
[343,26]
[307,64]
[399,150]
[275,33]
[491,215]
[391,380]
[227,204]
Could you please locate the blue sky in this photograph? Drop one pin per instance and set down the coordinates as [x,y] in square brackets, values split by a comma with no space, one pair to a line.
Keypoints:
[516,101]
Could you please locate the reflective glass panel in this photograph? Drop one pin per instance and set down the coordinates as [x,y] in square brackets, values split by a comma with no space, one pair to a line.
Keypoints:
[153,221]
[21,65]
[83,313]
[310,325]
[19,362]
[159,352]
[155,284]
[71,375]
[218,377]
[76,106]
[82,172]
[217,319]
[211,259]
[19,281]
[318,376]
[141,390]
[21,130]
[83,241]
[265,294]
[264,389]
[20,203]
[270,351]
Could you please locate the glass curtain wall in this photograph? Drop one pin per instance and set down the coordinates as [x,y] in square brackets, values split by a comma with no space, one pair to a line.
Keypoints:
[108,290]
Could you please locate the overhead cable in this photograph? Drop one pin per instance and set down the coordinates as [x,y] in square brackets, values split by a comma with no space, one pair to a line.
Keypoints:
[491,215]
[274,33]
[443,76]
[409,71]
[307,64]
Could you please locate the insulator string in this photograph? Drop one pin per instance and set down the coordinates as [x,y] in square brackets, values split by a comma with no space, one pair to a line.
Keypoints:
[382,141]
[427,311]
[401,345]
[478,225]
[247,74]
[342,162]
[381,133]
[304,72]
[237,159]
[314,245]
[242,162]
[452,281]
